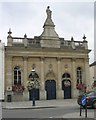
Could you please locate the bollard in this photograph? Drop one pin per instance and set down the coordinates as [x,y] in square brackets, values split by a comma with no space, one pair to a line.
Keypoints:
[80,110]
[86,110]
[33,101]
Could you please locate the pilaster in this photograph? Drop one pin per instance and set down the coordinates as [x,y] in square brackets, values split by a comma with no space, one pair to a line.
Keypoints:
[42,81]
[74,80]
[25,75]
[8,77]
[25,78]
[9,71]
[87,74]
[60,92]
[59,73]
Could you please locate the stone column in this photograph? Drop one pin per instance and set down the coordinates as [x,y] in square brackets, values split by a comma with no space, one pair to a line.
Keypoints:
[9,71]
[87,74]
[25,78]
[25,75]
[60,93]
[74,80]
[42,82]
[9,79]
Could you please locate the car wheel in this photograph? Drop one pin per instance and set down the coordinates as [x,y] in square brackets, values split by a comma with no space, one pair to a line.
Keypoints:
[94,104]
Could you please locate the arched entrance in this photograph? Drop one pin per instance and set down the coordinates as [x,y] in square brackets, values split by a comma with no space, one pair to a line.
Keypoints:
[66,85]
[35,91]
[50,87]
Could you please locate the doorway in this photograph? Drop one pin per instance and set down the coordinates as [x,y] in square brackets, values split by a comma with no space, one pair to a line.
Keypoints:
[50,87]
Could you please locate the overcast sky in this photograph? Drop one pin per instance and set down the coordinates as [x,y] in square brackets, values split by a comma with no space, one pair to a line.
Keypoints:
[71,19]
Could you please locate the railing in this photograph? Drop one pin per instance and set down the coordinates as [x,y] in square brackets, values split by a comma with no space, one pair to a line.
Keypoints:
[79,43]
[18,40]
[36,42]
[69,43]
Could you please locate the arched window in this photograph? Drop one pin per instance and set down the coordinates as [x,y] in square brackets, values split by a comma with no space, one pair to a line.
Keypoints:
[17,75]
[79,75]
[66,75]
[35,76]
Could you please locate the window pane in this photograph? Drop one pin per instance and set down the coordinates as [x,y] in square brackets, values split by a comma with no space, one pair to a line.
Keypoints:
[15,82]
[19,82]
[79,75]
[17,75]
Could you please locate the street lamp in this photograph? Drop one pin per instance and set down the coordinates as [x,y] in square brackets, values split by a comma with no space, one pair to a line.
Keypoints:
[34,86]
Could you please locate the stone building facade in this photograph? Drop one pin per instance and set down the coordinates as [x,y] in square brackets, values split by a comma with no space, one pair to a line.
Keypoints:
[59,64]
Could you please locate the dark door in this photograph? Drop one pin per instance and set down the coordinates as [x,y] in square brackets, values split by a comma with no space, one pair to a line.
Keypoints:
[50,87]
[34,93]
[66,86]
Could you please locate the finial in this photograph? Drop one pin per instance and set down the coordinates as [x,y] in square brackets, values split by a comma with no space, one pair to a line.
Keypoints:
[49,12]
[72,39]
[9,31]
[84,37]
[25,36]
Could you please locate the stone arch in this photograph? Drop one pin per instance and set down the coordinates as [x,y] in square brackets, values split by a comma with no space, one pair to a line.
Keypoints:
[36,76]
[50,85]
[66,75]
[66,85]
[36,90]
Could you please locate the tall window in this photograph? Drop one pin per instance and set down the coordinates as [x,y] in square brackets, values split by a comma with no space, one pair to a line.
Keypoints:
[79,75]
[17,75]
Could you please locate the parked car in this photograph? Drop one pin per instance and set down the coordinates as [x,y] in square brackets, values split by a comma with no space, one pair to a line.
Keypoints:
[90,97]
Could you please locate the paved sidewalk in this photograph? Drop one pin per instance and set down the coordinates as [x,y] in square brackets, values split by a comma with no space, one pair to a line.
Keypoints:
[77,115]
[39,104]
[48,104]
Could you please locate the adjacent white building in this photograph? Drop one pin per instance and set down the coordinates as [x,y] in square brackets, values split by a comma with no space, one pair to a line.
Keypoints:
[1,70]
[92,72]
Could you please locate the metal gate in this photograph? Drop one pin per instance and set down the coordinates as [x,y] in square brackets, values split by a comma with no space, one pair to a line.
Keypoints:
[66,86]
[35,93]
[50,87]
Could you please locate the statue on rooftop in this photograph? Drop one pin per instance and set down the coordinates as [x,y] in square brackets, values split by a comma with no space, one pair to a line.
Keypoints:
[49,12]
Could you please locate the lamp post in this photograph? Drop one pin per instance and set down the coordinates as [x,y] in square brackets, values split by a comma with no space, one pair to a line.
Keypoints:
[32,84]
[33,90]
